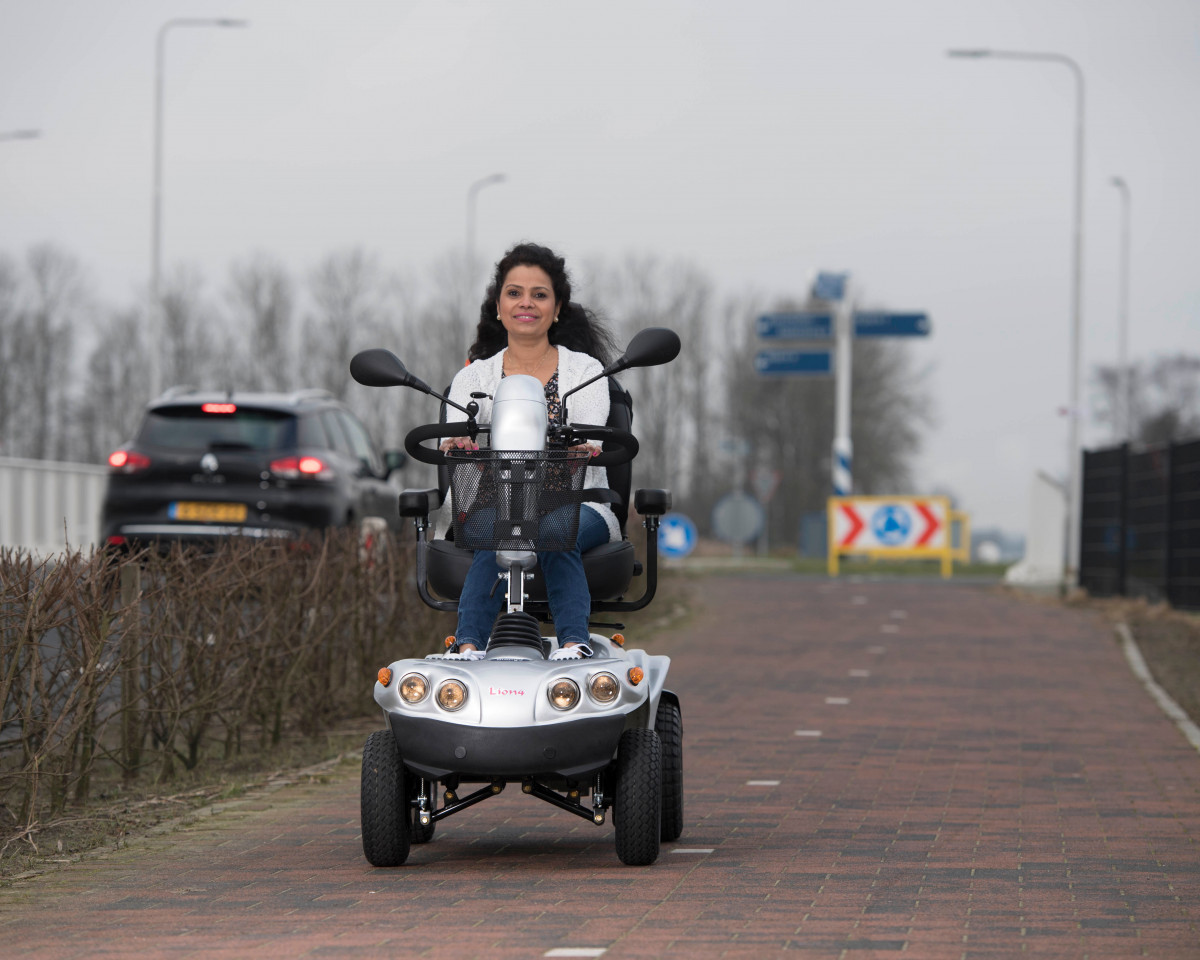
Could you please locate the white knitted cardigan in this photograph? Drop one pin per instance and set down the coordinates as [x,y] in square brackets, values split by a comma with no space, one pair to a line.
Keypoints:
[589,405]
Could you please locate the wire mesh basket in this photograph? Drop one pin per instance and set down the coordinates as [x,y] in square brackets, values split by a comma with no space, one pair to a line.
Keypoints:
[516,500]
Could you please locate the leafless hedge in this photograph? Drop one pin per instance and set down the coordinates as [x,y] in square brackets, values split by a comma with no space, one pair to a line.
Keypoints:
[144,664]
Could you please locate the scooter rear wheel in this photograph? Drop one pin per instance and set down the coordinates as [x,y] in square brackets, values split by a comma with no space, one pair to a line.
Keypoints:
[669,727]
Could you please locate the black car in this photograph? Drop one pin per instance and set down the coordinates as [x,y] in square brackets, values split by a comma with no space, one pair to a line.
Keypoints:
[207,465]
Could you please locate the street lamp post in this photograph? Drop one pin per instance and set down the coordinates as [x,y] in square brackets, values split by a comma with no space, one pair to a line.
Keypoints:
[1124,378]
[1073,413]
[156,224]
[472,193]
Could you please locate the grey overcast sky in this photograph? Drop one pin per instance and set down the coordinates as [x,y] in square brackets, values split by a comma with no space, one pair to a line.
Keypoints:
[762,140]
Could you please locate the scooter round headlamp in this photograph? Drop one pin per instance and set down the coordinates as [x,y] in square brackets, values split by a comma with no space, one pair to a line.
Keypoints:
[412,688]
[564,694]
[604,688]
[451,695]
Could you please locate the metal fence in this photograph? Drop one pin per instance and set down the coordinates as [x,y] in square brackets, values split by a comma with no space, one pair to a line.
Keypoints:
[1140,529]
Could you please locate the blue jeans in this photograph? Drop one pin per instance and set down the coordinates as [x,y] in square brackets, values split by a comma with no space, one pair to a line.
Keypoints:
[566,587]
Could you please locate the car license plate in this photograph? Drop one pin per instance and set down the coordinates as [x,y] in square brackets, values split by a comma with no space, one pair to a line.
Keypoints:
[211,512]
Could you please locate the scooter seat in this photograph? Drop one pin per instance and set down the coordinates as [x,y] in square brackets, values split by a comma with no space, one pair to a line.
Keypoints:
[608,568]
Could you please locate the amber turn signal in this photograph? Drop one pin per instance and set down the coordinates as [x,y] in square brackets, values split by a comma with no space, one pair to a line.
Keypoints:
[619,639]
[636,674]
[449,641]
[385,675]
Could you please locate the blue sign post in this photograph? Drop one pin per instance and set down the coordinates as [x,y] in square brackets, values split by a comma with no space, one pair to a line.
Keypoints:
[676,536]
[803,325]
[876,323]
[792,362]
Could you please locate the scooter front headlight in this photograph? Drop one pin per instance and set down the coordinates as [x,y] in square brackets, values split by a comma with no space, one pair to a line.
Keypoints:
[412,688]
[604,688]
[451,695]
[563,694]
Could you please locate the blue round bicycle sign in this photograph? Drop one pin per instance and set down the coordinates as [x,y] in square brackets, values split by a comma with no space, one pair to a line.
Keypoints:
[676,536]
[891,525]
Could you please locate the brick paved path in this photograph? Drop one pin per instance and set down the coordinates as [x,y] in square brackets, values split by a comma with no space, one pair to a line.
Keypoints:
[988,781]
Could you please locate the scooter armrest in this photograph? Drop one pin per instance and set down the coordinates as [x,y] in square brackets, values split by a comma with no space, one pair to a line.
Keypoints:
[652,503]
[419,503]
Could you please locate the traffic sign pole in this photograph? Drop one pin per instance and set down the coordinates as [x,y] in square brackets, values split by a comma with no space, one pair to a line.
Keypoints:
[843,448]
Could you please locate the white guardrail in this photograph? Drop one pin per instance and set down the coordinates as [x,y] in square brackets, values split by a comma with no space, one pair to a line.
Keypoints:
[47,506]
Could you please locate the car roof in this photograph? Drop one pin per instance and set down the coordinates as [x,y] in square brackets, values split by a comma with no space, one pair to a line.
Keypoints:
[289,402]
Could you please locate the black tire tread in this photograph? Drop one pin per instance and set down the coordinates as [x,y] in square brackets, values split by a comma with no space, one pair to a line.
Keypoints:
[383,802]
[669,726]
[637,800]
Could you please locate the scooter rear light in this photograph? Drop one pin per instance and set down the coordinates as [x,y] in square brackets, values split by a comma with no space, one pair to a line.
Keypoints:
[116,540]
[128,461]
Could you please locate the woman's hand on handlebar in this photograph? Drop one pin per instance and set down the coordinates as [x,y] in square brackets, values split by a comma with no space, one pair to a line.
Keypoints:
[458,443]
[592,448]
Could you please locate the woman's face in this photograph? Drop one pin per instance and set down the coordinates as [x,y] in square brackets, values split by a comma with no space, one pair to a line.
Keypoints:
[526,303]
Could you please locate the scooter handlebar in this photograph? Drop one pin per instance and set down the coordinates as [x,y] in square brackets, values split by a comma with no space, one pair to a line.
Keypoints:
[623,445]
[434,431]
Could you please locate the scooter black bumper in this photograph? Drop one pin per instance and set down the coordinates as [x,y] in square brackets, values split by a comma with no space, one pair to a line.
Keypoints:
[573,749]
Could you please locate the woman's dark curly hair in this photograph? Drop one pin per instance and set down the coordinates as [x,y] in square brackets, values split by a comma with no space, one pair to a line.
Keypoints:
[577,327]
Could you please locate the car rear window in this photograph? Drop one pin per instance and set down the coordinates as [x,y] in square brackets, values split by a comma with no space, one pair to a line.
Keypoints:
[190,428]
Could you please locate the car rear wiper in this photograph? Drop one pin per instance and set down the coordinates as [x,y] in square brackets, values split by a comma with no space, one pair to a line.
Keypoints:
[229,445]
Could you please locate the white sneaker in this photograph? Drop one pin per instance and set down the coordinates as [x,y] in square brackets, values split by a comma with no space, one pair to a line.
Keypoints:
[463,655]
[575,652]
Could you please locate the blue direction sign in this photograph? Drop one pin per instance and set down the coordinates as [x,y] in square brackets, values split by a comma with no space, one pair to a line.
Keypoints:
[868,323]
[803,325]
[830,286]
[785,362]
[676,535]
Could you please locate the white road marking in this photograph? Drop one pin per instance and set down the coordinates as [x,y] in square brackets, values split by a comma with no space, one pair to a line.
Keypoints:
[899,614]
[860,600]
[576,952]
[808,733]
[837,701]
[860,673]
[762,783]
[692,850]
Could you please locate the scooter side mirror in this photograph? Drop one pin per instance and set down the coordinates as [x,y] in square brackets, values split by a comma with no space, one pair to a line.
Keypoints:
[648,348]
[382,368]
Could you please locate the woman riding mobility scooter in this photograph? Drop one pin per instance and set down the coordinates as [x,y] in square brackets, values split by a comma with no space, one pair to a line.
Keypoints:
[603,726]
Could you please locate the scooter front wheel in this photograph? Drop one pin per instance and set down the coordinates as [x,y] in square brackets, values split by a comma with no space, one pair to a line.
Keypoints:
[384,807]
[637,802]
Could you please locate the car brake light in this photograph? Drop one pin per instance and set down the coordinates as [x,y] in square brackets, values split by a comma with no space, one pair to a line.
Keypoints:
[292,468]
[219,407]
[128,461]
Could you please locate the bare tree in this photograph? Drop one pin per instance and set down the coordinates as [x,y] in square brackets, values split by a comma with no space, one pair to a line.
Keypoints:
[261,298]
[115,389]
[48,300]
[788,423]
[345,288]
[1164,398]
[193,337]
[9,384]
[674,408]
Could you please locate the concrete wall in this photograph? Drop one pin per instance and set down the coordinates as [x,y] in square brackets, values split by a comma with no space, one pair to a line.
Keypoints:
[47,506]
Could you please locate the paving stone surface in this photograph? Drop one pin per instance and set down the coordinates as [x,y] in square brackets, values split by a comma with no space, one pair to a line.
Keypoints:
[961,774]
